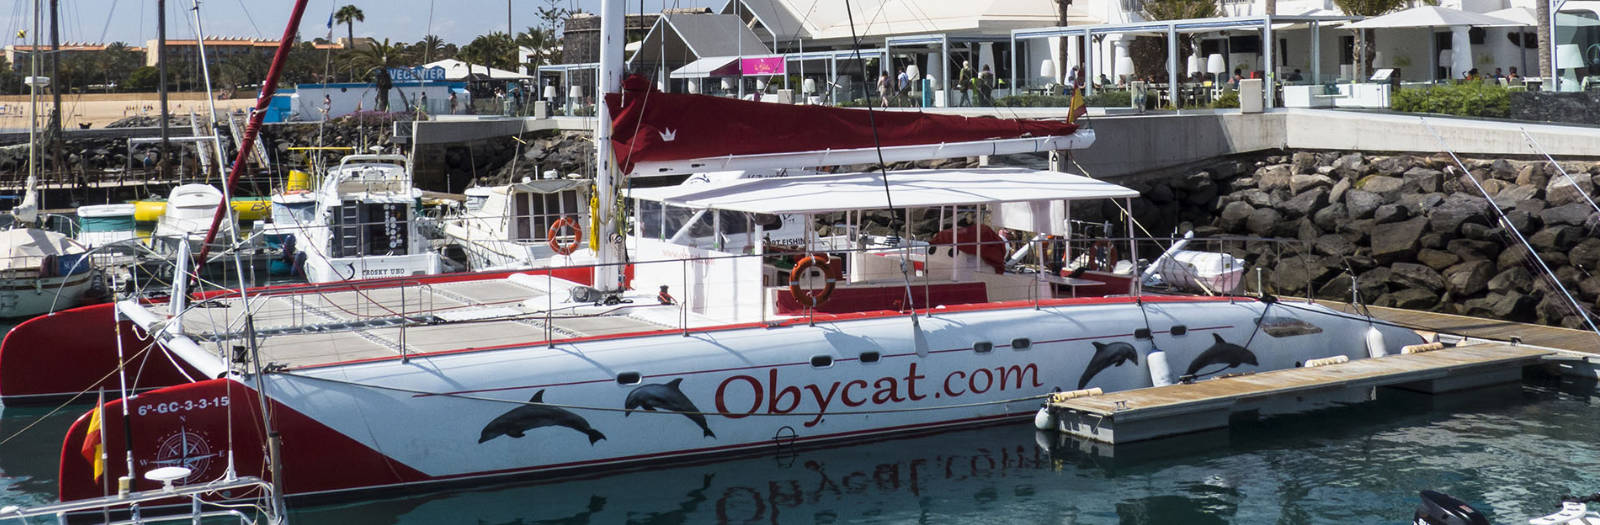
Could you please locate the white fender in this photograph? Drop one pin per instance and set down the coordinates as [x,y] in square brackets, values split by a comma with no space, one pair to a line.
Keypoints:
[1375,344]
[1160,373]
[1044,419]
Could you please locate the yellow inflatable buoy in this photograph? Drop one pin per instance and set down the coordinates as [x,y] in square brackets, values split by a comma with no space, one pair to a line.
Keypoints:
[246,208]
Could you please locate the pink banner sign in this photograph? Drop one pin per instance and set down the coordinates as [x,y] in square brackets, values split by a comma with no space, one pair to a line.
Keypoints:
[762,66]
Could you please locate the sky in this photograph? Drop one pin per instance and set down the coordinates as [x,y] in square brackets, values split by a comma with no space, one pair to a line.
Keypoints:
[457,21]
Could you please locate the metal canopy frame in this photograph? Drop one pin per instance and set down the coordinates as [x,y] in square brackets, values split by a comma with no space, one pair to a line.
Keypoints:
[1172,28]
[943,41]
[832,70]
[566,71]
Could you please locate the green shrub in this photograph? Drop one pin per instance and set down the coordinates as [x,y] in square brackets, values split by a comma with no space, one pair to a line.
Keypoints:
[1033,101]
[1468,99]
[1110,99]
[1228,99]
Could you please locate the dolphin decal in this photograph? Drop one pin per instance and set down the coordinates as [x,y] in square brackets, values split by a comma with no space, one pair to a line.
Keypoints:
[528,417]
[666,397]
[1106,356]
[1221,352]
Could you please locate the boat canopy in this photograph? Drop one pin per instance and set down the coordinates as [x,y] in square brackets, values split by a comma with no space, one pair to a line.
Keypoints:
[659,133]
[813,194]
[26,247]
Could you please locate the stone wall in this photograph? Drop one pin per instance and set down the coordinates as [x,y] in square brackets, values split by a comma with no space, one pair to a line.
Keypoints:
[1415,231]
[1544,106]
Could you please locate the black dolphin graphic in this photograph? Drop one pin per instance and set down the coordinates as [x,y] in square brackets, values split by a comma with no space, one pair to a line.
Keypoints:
[665,397]
[1221,352]
[1107,356]
[527,417]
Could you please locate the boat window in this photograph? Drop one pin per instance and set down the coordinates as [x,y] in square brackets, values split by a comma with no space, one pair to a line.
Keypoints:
[106,223]
[370,229]
[983,347]
[821,361]
[1179,329]
[628,378]
[871,356]
[535,212]
[1021,343]
[475,202]
[650,219]
[294,214]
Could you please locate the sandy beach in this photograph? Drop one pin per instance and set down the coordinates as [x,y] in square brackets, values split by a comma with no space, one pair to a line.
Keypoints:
[97,110]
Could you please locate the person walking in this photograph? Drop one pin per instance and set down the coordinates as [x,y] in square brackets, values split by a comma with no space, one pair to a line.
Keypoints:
[883,89]
[964,82]
[986,86]
[902,85]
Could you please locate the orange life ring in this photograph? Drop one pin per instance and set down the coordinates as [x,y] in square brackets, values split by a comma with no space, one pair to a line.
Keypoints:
[555,228]
[815,298]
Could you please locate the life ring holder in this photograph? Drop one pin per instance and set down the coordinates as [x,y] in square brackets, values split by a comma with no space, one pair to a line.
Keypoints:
[812,298]
[555,228]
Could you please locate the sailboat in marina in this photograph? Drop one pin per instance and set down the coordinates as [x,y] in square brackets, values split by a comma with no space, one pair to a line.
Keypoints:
[703,329]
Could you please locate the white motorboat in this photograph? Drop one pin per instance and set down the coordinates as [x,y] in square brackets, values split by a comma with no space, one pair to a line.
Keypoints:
[533,223]
[43,271]
[106,224]
[364,224]
[187,217]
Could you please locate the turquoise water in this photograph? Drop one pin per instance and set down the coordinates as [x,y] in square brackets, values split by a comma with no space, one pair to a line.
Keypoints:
[1509,451]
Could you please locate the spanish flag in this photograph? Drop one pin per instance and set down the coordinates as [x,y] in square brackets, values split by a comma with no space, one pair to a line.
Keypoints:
[93,448]
[1078,108]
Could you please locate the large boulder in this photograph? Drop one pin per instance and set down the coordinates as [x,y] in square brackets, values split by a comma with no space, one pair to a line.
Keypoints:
[1336,193]
[1263,221]
[1397,241]
[1360,204]
[1560,191]
[1300,183]
[1373,283]
[1350,165]
[1388,187]
[1234,215]
[1334,245]
[1423,179]
[1514,279]
[1437,259]
[1575,214]
[1274,177]
[1458,208]
[1468,278]
[1512,306]
[1416,275]
[1524,222]
[1330,217]
[1531,175]
[1409,298]
[1255,197]
[1503,170]
[1292,274]
[1590,288]
[1508,197]
[1303,162]
[1586,254]
[1557,237]
[1305,203]
[1390,213]
[1421,203]
[1470,249]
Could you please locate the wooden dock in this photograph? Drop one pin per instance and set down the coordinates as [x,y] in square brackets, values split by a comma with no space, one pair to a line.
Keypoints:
[1150,413]
[1480,328]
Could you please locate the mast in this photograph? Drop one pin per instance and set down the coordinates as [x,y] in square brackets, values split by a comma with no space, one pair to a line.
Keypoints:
[608,275]
[54,138]
[27,211]
[161,83]
[211,102]
[268,87]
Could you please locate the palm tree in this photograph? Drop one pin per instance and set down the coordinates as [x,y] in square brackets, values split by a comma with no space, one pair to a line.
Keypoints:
[1061,20]
[1546,39]
[1367,50]
[541,42]
[349,15]
[431,47]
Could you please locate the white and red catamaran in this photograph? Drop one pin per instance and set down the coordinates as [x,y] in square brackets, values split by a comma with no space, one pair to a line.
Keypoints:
[703,337]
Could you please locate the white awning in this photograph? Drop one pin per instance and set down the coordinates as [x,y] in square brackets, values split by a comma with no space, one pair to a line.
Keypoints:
[1430,16]
[708,67]
[1527,17]
[866,191]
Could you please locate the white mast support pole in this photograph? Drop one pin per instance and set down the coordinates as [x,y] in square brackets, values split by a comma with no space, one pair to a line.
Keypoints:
[607,276]
[211,101]
[27,212]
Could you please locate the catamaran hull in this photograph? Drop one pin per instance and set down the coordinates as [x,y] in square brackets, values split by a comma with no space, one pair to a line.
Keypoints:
[618,401]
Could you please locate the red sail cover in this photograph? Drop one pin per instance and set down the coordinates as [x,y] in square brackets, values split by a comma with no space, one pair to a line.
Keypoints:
[657,126]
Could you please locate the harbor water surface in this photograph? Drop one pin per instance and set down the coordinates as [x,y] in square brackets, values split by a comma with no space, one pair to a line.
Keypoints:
[1510,451]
